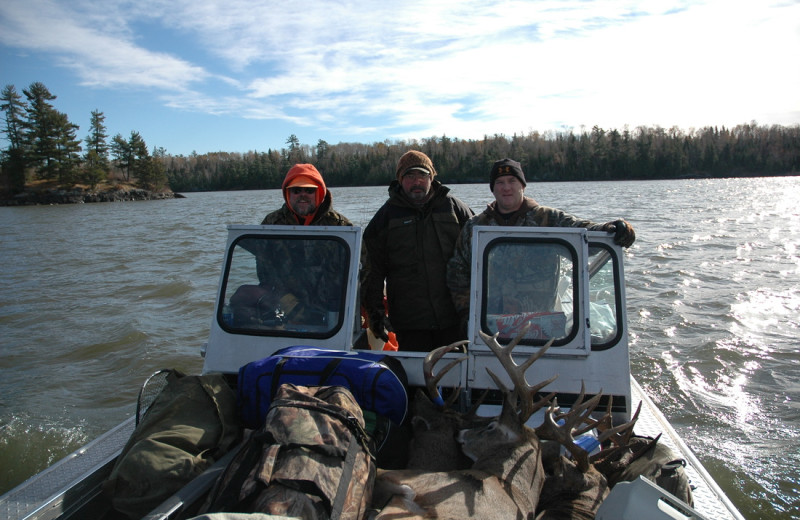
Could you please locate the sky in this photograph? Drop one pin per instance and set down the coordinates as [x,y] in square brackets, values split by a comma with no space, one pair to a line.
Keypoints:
[243,75]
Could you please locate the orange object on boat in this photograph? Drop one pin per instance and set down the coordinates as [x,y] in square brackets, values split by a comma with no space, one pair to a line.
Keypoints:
[392,343]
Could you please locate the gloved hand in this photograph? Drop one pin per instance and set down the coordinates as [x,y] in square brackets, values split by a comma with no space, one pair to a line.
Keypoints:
[379,325]
[624,234]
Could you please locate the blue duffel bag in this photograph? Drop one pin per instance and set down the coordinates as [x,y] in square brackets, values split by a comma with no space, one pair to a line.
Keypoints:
[377,381]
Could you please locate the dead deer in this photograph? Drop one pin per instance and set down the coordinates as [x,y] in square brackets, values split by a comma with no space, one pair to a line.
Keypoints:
[506,476]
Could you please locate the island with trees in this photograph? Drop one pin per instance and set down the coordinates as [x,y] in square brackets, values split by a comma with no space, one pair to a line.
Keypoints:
[44,162]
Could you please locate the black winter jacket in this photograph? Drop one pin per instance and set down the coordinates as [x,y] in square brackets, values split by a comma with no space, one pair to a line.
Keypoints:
[409,246]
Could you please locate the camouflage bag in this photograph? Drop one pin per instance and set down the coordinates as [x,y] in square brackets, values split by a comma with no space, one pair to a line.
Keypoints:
[311,459]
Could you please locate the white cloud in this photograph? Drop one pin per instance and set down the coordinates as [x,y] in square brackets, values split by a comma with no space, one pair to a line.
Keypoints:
[463,68]
[99,50]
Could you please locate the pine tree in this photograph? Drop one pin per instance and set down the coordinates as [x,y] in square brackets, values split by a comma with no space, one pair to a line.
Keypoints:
[121,152]
[49,138]
[13,158]
[68,148]
[96,164]
[14,109]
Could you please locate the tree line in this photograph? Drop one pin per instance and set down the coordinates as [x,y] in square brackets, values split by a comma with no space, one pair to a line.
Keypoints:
[645,153]
[43,145]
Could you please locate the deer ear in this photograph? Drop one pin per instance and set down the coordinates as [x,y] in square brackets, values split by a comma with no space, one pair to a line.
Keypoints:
[420,424]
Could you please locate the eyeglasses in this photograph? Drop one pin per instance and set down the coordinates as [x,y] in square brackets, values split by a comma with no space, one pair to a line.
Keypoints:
[417,176]
[298,191]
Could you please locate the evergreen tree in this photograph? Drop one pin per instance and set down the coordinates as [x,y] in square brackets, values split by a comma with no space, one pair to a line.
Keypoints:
[67,150]
[96,140]
[122,154]
[295,153]
[14,109]
[49,138]
[13,158]
[139,155]
[96,163]
[40,136]
[93,170]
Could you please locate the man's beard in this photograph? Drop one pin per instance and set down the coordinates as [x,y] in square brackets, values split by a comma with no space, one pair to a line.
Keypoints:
[417,195]
[305,210]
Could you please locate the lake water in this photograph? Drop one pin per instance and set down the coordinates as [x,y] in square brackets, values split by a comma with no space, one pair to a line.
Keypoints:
[96,297]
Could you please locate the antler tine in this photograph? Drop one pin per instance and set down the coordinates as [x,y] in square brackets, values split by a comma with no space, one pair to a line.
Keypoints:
[431,380]
[603,423]
[585,411]
[522,392]
[619,435]
[473,411]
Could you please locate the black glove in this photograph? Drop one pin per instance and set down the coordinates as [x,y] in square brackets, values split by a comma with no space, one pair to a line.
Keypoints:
[379,325]
[624,234]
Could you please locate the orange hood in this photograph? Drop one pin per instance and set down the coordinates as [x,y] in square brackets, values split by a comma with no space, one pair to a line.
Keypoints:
[304,175]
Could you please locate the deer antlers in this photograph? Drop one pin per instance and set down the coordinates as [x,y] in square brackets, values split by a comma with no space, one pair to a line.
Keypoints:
[522,393]
[563,427]
[432,381]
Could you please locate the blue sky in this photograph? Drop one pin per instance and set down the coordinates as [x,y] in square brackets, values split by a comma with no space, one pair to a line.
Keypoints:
[239,75]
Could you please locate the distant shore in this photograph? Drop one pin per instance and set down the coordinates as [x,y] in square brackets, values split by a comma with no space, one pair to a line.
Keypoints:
[44,195]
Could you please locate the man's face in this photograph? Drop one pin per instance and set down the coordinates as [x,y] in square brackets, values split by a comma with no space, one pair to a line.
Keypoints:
[508,192]
[416,185]
[303,201]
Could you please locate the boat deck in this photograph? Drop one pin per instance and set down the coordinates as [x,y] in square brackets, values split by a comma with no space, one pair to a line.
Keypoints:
[62,487]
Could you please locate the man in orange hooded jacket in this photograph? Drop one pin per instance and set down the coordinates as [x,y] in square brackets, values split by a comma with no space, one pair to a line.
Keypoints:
[307,201]
[300,276]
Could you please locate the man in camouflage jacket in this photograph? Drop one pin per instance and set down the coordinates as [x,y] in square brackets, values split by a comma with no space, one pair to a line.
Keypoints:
[408,243]
[512,208]
[307,201]
[290,272]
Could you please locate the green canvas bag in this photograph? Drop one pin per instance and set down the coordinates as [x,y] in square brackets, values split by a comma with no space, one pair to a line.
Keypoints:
[191,423]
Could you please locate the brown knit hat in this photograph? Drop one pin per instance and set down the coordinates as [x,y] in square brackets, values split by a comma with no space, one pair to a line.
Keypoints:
[414,160]
[506,167]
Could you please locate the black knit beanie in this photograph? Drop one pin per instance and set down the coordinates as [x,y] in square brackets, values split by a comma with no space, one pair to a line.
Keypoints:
[506,167]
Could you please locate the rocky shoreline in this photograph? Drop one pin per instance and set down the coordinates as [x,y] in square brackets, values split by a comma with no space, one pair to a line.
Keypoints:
[81,196]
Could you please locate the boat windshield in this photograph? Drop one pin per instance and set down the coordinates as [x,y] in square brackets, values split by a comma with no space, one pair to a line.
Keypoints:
[534,281]
[283,284]
[529,281]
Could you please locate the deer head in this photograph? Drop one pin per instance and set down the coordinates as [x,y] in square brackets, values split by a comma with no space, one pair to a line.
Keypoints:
[563,427]
[433,446]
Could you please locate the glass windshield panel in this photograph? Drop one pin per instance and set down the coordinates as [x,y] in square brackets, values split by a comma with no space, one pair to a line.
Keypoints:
[286,285]
[602,296]
[529,282]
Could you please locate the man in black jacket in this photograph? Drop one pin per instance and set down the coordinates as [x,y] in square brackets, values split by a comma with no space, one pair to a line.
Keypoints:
[408,243]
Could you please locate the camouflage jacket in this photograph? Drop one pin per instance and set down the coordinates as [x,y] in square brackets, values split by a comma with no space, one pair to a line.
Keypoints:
[312,277]
[530,214]
[408,247]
